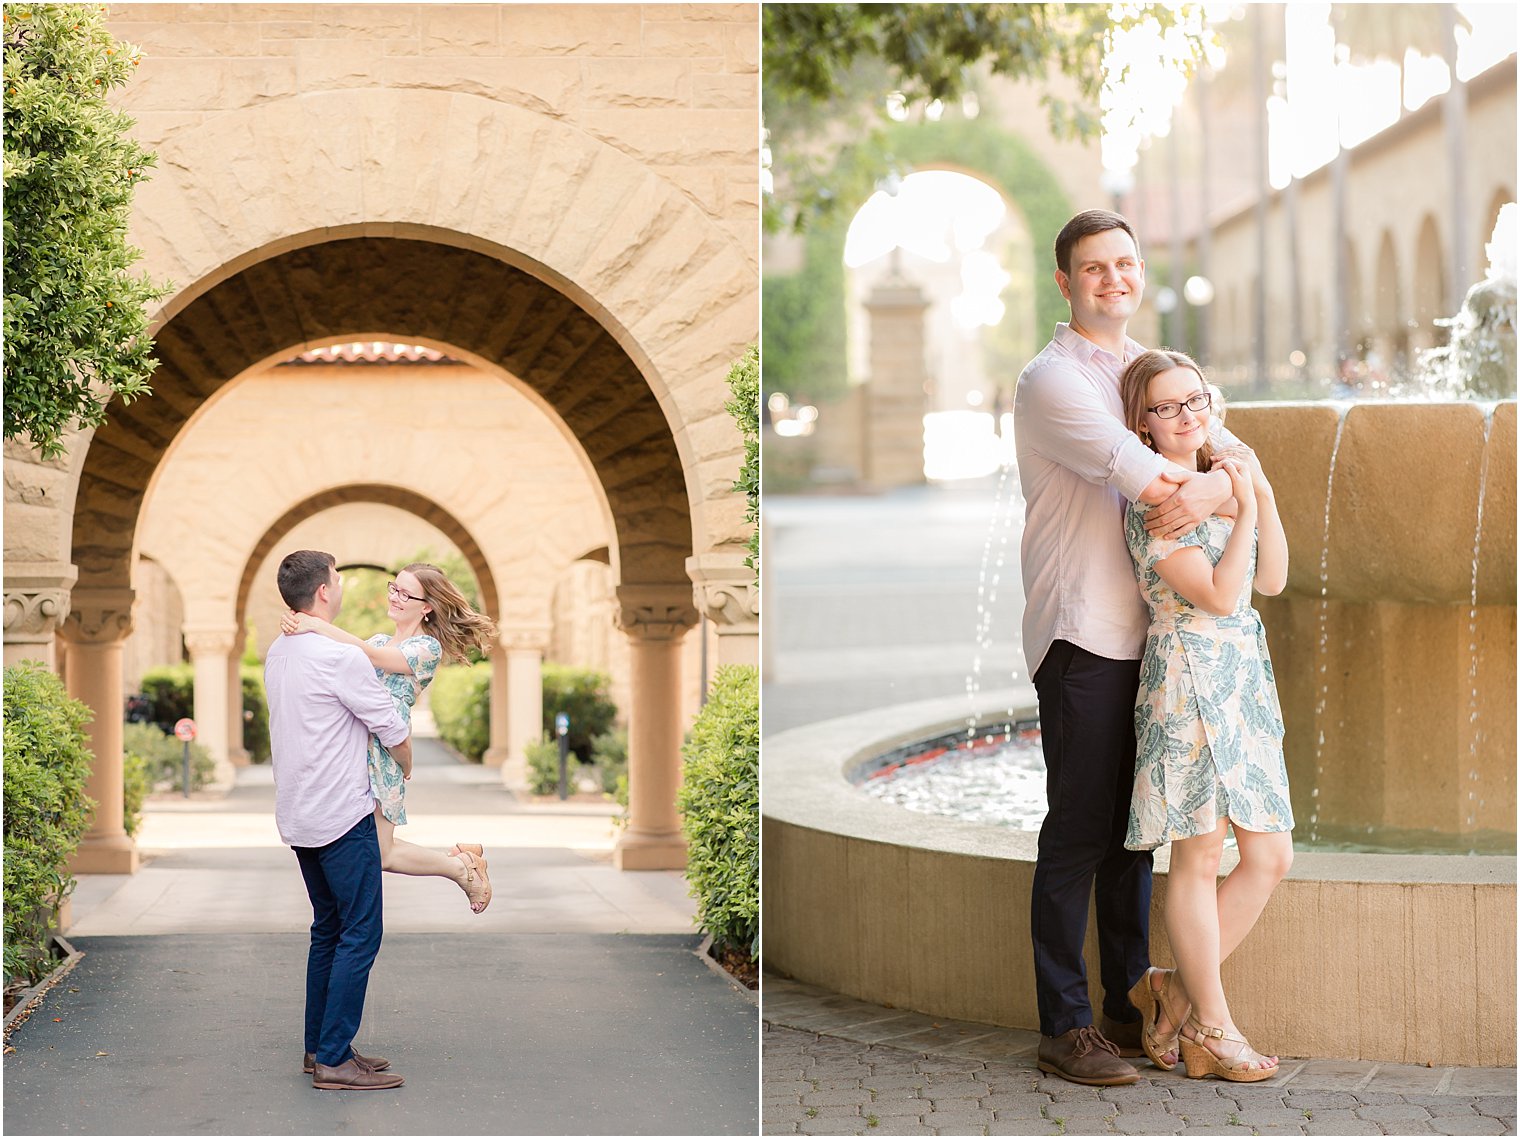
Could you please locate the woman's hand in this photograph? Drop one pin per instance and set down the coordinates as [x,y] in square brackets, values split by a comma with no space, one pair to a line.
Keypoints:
[1240,479]
[1242,454]
[292,623]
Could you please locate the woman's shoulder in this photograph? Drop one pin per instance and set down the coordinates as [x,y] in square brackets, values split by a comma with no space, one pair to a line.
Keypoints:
[424,642]
[379,640]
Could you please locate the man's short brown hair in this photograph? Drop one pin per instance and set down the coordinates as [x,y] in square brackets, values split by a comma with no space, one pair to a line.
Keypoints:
[1085,224]
[301,574]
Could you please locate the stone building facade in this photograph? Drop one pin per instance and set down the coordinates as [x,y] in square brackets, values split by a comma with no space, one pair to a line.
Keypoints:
[564,198]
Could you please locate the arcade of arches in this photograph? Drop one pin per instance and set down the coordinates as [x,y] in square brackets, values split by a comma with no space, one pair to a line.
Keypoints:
[564,201]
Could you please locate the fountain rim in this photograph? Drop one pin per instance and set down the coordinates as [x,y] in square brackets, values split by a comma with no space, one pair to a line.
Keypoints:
[805,782]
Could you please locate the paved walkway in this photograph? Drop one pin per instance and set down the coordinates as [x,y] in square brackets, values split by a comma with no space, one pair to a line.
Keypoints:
[837,1066]
[574,1005]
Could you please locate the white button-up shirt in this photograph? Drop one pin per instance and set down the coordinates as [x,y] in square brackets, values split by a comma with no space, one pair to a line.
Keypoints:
[1078,465]
[324,702]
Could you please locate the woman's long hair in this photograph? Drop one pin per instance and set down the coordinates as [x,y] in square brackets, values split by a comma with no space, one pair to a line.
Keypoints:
[452,621]
[1134,389]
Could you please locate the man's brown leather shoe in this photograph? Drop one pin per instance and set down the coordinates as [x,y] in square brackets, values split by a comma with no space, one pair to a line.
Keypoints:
[351,1076]
[1083,1056]
[1123,1035]
[373,1063]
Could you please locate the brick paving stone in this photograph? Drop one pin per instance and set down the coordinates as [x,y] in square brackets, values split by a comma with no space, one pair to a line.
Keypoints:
[1482,1082]
[832,1127]
[1275,1129]
[1024,1127]
[1137,1096]
[838,1111]
[1151,1122]
[1030,1105]
[1494,1105]
[894,1091]
[1444,1104]
[1249,1096]
[787,1087]
[896,1107]
[883,1084]
[955,1103]
[1370,1098]
[1272,1116]
[949,1066]
[1064,1090]
[1203,1112]
[902,1126]
[1393,1113]
[835,1084]
[779,1129]
[958,1122]
[1082,1109]
[1467,1125]
[1314,1100]
[1350,1127]
[783,1115]
[1508,1121]
[835,1097]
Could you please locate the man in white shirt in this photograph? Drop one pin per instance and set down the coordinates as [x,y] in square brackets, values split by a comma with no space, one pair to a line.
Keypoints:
[1084,634]
[324,702]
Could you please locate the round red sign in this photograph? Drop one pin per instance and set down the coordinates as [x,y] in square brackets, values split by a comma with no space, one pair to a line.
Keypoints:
[185,729]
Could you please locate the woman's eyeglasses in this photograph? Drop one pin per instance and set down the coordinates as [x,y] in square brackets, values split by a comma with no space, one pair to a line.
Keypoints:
[400,594]
[1171,410]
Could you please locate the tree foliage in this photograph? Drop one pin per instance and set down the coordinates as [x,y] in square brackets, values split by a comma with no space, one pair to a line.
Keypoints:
[828,70]
[744,383]
[75,322]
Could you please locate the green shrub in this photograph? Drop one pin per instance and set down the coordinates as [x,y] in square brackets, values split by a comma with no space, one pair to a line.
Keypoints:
[171,689]
[543,768]
[720,808]
[461,702]
[136,786]
[255,714]
[164,757]
[582,694]
[610,754]
[47,761]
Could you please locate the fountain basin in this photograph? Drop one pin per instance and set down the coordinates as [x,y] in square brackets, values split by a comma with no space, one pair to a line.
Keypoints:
[1403,958]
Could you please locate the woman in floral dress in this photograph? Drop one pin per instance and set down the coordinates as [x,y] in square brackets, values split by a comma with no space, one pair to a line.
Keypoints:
[432,620]
[1207,723]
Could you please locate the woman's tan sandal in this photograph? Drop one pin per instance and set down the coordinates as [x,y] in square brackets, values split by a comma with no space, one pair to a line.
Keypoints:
[477,883]
[473,847]
[1152,1002]
[1245,1066]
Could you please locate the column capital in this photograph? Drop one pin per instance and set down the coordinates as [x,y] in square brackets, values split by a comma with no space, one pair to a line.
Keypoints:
[655,612]
[524,638]
[724,588]
[212,639]
[99,616]
[36,600]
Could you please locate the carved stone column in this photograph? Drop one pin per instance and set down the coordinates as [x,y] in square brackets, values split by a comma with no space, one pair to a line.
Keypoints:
[98,622]
[724,591]
[896,396]
[655,618]
[522,691]
[236,752]
[497,750]
[210,646]
[36,603]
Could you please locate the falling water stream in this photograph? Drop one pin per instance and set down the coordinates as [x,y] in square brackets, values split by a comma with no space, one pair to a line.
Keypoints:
[1006,501]
[1474,802]
[1322,654]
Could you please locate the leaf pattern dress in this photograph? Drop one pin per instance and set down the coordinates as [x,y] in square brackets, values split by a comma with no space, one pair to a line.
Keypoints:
[387,783]
[1208,726]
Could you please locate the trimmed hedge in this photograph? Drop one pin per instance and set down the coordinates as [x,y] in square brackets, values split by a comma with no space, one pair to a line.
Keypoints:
[47,761]
[720,810]
[460,697]
[136,786]
[163,758]
[171,690]
[543,768]
[582,693]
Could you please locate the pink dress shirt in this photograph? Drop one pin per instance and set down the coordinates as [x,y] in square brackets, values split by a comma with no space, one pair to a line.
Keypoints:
[1078,465]
[324,701]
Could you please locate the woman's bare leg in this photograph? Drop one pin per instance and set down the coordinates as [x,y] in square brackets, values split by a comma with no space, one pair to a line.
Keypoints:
[1192,922]
[1264,862]
[401,857]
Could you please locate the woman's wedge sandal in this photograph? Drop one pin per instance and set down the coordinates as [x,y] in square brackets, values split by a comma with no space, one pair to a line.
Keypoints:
[1244,1067]
[1162,1050]
[477,883]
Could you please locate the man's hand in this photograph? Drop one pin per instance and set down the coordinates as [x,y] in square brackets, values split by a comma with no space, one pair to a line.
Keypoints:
[1196,497]
[402,754]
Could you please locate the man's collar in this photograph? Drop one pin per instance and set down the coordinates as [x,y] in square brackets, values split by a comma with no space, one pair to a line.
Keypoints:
[1079,345]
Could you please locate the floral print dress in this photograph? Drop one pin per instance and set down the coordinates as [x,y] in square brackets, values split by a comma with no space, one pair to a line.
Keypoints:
[387,783]
[1208,726]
